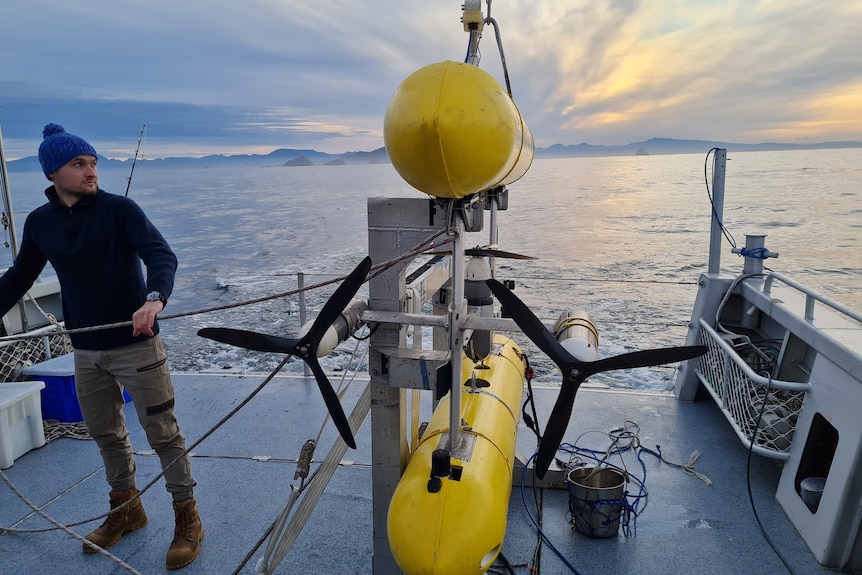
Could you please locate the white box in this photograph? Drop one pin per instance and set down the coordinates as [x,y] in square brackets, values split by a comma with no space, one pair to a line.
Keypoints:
[47,293]
[20,420]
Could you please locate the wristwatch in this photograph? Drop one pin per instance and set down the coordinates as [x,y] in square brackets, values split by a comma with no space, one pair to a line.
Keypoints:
[157,296]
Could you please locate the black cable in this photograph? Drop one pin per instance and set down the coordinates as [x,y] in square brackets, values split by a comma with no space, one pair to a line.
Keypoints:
[538,498]
[253,550]
[728,236]
[532,422]
[507,567]
[371,331]
[748,481]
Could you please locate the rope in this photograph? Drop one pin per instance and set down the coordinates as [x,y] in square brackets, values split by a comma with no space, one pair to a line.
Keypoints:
[356,417]
[600,280]
[686,467]
[56,429]
[49,316]
[626,508]
[426,245]
[622,439]
[286,538]
[281,534]
[155,479]
[630,431]
[60,526]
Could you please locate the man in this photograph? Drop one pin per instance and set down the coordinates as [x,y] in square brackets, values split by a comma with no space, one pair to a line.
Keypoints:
[96,241]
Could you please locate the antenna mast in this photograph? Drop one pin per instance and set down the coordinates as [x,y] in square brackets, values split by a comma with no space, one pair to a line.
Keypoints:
[8,219]
[135,160]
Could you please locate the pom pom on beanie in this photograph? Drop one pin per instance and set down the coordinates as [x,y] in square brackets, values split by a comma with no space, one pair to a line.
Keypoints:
[59,146]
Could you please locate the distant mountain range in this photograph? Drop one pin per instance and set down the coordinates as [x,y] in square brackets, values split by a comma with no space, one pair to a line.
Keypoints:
[658,146]
[291,157]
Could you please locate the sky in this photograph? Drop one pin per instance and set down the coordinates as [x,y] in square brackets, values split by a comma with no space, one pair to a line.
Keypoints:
[251,76]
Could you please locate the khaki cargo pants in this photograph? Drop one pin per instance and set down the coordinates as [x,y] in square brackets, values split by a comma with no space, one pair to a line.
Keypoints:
[142,369]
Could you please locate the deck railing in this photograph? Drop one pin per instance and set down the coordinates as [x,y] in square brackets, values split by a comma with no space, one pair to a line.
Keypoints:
[751,402]
[44,344]
[811,296]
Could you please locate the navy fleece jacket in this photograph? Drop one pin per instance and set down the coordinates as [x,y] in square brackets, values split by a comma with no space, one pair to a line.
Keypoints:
[96,247]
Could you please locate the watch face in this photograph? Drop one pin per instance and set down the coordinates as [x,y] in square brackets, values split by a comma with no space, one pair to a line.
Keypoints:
[157,296]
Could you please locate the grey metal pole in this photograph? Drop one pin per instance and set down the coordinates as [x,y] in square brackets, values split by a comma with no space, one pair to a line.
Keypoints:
[303,314]
[719,164]
[7,201]
[9,222]
[457,310]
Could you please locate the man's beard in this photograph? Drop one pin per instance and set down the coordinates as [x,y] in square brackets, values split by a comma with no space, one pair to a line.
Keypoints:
[82,192]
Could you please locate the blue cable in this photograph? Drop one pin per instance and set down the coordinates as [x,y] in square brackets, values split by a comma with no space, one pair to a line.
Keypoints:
[629,508]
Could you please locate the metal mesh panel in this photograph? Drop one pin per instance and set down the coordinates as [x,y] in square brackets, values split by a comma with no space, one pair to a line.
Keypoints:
[743,398]
[16,355]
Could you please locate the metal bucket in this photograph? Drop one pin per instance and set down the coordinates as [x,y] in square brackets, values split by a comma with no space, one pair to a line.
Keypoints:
[596,500]
[811,490]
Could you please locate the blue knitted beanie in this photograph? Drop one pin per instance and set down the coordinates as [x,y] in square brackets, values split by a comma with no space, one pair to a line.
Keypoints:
[59,146]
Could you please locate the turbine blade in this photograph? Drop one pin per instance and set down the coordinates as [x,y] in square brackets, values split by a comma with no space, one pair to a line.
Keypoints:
[648,357]
[333,405]
[556,428]
[532,327]
[249,339]
[495,253]
[574,371]
[305,348]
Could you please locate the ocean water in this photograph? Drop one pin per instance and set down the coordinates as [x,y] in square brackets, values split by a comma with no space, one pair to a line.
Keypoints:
[623,238]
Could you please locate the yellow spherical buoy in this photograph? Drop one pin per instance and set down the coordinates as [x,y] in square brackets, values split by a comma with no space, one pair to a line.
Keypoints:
[451,130]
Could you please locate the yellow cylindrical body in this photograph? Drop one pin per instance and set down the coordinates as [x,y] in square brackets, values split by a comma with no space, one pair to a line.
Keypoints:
[451,130]
[459,529]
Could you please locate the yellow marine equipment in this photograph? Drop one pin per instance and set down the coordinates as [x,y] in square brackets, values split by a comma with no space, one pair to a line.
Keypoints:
[447,515]
[451,130]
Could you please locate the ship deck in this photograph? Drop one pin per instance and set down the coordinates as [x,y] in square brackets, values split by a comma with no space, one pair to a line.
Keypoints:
[245,470]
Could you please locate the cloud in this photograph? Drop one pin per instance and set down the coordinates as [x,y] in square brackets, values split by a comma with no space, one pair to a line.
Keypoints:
[734,71]
[217,76]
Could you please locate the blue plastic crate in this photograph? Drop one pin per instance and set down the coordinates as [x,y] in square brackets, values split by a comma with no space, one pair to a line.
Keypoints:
[58,397]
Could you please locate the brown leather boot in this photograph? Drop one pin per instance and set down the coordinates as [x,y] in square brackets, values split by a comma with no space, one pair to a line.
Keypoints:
[129,518]
[187,535]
